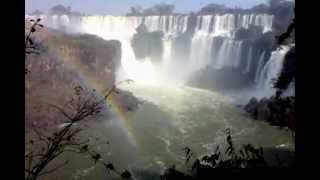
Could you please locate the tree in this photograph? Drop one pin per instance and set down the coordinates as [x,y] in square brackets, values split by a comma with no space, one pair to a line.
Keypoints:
[45,148]
[30,46]
[135,11]
[160,9]
[60,9]
[231,160]
[289,65]
[275,3]
[37,12]
[164,8]
[212,9]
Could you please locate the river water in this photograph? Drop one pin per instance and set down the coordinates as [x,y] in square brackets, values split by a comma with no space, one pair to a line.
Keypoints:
[151,138]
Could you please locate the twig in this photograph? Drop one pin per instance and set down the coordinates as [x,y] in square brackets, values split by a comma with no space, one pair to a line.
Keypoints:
[54,169]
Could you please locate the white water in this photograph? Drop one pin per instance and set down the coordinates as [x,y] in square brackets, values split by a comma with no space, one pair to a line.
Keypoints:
[260,65]
[208,27]
[225,26]
[271,70]
[170,119]
[249,61]
[174,117]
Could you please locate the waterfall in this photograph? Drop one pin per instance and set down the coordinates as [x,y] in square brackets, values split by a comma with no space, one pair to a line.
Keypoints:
[270,71]
[224,26]
[263,20]
[169,25]
[229,54]
[260,63]
[201,43]
[212,43]
[249,61]
[290,91]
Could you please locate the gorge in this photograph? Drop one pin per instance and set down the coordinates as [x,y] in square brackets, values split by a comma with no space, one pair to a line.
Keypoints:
[206,46]
[190,71]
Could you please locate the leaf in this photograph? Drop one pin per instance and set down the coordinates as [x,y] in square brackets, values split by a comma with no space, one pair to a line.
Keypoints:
[205,158]
[84,148]
[30,41]
[126,174]
[109,166]
[96,157]
[188,158]
[227,150]
[187,150]
[217,149]
[33,29]
[32,20]
[40,25]
[241,152]
[38,20]
[195,165]
[261,150]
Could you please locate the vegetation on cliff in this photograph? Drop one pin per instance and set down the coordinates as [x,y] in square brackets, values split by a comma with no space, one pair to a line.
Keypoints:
[58,102]
[147,44]
[277,110]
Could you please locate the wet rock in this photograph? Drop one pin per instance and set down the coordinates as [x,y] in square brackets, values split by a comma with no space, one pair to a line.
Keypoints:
[66,61]
[127,100]
[263,112]
[277,111]
[250,107]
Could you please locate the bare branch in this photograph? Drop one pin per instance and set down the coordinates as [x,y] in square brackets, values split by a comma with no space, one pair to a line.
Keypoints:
[61,111]
[54,169]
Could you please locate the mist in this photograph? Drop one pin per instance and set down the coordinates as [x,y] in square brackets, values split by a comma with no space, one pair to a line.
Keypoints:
[194,75]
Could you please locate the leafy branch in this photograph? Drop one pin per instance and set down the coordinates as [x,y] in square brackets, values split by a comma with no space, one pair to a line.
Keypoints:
[232,159]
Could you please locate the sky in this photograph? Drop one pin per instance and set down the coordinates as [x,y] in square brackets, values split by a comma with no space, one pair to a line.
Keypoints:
[120,7]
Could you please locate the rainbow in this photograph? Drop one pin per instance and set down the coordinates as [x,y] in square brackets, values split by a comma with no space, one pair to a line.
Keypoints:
[123,116]
[94,82]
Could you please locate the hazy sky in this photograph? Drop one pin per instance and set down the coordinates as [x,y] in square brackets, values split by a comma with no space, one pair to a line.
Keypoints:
[120,7]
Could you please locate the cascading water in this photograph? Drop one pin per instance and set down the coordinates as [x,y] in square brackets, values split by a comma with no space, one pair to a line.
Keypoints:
[200,55]
[223,26]
[229,54]
[249,61]
[270,71]
[204,49]
[173,117]
[260,65]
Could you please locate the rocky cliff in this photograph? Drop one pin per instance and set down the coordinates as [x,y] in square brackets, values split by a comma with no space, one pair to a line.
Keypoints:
[66,61]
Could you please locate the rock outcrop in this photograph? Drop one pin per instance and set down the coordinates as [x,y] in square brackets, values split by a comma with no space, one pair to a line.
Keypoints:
[66,61]
[147,44]
[278,112]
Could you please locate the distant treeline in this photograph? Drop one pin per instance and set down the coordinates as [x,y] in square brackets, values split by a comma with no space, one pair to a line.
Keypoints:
[59,9]
[272,7]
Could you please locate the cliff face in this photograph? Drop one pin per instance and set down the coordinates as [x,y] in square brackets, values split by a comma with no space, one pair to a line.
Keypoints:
[64,62]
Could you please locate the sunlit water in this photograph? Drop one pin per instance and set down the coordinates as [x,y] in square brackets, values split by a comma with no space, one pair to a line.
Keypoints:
[147,140]
[169,119]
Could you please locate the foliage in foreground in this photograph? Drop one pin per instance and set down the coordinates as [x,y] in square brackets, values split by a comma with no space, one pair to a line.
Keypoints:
[51,146]
[45,148]
[232,160]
